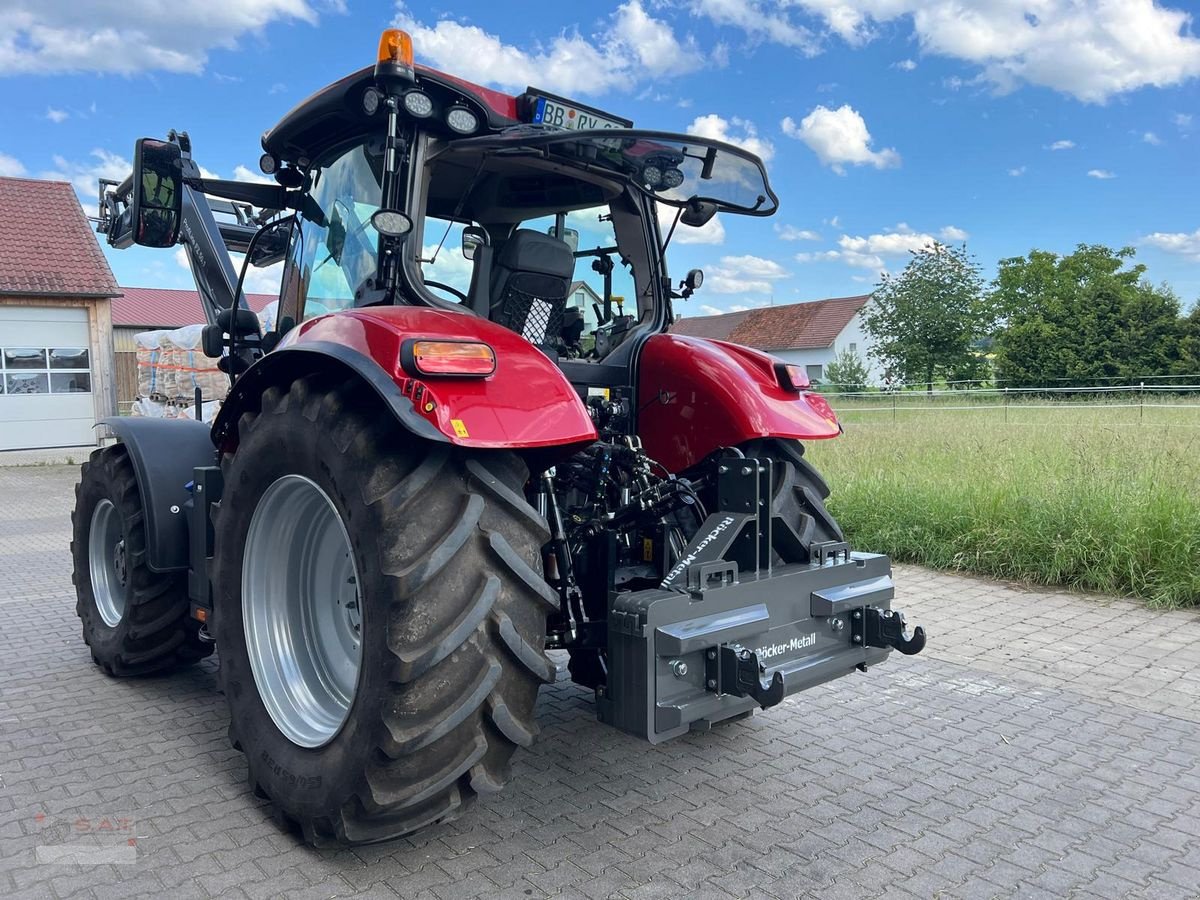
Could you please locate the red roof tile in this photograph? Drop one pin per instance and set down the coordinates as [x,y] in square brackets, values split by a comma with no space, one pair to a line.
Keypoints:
[167,308]
[47,247]
[796,326]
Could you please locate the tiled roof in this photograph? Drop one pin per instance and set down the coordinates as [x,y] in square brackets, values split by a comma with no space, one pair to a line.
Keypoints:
[47,247]
[167,308]
[796,326]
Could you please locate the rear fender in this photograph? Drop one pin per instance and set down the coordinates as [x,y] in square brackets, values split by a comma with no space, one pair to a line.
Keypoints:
[526,403]
[165,453]
[699,395]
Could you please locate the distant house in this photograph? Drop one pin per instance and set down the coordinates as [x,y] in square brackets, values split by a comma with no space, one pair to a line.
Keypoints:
[810,334]
[55,331]
[582,296]
[151,309]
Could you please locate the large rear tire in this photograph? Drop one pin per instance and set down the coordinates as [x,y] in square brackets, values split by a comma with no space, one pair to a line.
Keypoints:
[799,492]
[134,620]
[437,553]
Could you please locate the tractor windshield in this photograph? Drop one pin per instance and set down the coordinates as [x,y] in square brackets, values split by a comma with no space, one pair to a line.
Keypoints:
[672,168]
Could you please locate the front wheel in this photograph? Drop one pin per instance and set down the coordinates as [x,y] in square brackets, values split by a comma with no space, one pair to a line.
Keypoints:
[136,621]
[381,615]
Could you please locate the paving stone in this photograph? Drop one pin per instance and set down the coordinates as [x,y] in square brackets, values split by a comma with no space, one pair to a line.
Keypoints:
[1042,745]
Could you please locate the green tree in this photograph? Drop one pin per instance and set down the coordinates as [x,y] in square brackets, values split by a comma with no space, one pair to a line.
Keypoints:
[847,372]
[1083,318]
[926,323]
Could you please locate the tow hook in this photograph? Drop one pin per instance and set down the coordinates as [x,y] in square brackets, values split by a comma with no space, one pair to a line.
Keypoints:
[732,669]
[876,627]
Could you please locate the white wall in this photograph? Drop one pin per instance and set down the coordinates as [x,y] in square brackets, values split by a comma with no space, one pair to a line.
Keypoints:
[852,338]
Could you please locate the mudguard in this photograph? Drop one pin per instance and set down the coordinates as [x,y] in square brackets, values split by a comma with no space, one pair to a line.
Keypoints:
[698,395]
[526,403]
[164,453]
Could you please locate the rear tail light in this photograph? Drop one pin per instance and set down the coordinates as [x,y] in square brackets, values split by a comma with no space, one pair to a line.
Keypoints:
[464,358]
[792,377]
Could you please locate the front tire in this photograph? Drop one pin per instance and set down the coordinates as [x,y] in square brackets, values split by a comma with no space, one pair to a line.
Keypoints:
[450,605]
[135,621]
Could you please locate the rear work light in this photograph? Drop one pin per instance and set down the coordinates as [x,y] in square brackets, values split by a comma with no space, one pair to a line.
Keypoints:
[792,377]
[462,358]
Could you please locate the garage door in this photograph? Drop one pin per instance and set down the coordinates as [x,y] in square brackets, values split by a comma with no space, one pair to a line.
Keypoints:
[45,378]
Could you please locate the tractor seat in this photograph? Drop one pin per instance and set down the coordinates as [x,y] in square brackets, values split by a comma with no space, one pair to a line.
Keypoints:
[531,280]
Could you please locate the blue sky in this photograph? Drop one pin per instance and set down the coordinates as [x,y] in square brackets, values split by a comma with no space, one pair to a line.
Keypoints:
[885,123]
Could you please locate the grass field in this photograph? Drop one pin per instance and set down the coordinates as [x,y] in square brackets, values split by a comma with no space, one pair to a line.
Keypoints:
[1087,496]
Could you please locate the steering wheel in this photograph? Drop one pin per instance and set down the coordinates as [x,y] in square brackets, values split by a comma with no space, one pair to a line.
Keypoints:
[448,289]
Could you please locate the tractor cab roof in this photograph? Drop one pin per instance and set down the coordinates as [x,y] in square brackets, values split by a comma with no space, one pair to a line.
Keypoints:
[338,112]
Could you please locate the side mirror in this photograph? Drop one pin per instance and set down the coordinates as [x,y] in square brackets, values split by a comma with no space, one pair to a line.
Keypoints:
[472,239]
[156,202]
[698,212]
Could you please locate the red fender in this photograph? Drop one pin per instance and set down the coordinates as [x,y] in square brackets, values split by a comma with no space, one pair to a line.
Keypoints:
[698,395]
[527,402]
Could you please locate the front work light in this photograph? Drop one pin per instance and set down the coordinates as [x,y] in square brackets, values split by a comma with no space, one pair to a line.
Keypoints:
[462,120]
[395,55]
[467,358]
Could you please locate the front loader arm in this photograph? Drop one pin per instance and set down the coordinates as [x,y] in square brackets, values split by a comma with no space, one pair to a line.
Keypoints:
[207,242]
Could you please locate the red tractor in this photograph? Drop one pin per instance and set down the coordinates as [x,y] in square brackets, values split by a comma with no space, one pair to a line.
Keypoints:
[417,486]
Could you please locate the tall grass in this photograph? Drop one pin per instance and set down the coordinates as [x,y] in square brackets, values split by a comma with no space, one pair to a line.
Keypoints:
[1113,508]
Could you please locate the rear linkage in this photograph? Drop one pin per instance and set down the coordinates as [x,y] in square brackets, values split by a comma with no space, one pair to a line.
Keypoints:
[690,632]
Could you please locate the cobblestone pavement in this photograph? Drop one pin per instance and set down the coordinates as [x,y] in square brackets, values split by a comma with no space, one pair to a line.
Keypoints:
[1044,745]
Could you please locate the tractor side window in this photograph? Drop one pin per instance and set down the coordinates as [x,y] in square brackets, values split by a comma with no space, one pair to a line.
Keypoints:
[446,272]
[338,246]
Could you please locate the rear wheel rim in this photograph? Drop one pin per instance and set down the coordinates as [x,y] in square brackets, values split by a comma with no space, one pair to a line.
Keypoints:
[301,611]
[107,563]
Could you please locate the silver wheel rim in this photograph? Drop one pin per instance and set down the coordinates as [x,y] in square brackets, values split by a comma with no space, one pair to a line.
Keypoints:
[107,563]
[300,610]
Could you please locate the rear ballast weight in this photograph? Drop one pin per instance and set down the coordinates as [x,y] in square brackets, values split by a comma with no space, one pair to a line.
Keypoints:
[415,489]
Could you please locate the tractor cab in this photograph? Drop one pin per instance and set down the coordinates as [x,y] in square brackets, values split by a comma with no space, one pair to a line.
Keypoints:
[535,212]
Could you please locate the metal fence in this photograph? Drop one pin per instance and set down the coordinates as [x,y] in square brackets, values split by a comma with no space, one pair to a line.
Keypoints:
[1010,402]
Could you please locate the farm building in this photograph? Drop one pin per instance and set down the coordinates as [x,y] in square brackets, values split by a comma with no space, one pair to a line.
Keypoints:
[56,338]
[142,309]
[810,334]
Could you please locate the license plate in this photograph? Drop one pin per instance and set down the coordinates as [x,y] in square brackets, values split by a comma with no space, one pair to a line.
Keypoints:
[564,115]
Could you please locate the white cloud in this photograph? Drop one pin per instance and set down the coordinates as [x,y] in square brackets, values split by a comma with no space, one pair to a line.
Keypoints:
[905,65]
[1181,243]
[1102,174]
[759,21]
[839,136]
[450,266]
[1017,172]
[10,166]
[1182,120]
[242,173]
[1061,145]
[1089,49]
[633,47]
[1151,138]
[258,281]
[711,232]
[57,115]
[84,176]
[792,233]
[743,275]
[53,36]
[869,252]
[736,131]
